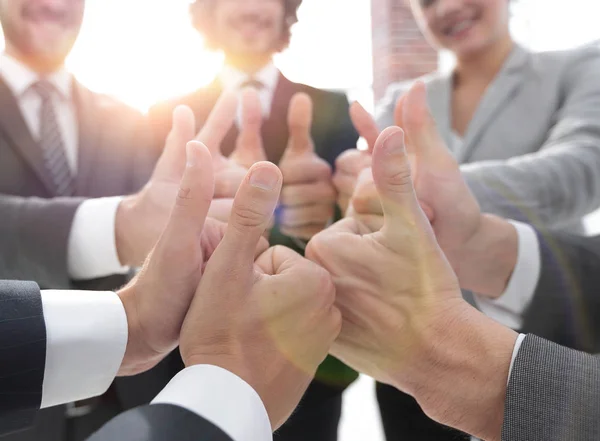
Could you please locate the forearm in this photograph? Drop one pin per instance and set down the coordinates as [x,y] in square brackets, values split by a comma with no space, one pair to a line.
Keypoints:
[460,378]
[34,239]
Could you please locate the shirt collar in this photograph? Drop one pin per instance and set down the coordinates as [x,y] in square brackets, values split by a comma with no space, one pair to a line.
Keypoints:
[19,78]
[232,78]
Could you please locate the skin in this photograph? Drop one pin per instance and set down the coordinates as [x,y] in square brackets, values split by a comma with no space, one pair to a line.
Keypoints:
[404,320]
[248,31]
[477,33]
[41,33]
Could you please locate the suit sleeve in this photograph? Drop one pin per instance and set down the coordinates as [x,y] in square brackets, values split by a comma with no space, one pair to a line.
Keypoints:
[553,394]
[160,422]
[560,183]
[22,354]
[566,305]
[34,239]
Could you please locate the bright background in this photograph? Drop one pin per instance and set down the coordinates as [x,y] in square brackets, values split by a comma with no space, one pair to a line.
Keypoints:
[142,51]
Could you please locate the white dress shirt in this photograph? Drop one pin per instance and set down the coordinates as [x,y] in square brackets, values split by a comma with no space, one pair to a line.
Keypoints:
[86,341]
[509,308]
[233,79]
[91,250]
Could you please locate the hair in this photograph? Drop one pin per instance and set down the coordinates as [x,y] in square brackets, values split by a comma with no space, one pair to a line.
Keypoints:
[201,15]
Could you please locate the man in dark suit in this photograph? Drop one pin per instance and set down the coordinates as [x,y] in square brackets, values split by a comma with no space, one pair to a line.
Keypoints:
[250,34]
[57,346]
[67,158]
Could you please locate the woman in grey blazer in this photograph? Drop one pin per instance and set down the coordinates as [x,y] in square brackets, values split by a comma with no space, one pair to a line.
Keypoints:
[525,125]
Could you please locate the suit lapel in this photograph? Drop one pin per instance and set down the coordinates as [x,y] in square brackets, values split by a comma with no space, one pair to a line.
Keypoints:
[497,95]
[88,119]
[275,130]
[19,136]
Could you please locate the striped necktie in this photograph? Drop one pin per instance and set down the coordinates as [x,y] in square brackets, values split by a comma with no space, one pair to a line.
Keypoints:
[51,142]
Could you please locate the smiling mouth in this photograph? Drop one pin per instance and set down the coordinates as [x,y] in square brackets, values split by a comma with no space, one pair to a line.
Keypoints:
[459,28]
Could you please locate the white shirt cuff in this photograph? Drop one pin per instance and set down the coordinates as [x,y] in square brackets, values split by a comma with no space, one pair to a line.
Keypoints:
[222,398]
[92,251]
[86,337]
[509,308]
[516,349]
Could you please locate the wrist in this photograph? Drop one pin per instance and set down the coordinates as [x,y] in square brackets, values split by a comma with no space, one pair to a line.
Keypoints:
[459,378]
[124,230]
[139,356]
[487,261]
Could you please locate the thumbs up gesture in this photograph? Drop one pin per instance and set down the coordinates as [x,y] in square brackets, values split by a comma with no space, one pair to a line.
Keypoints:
[230,171]
[269,319]
[393,283]
[308,195]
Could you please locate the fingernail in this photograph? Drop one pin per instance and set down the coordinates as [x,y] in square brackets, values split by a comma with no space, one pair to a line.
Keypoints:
[265,178]
[191,154]
[393,143]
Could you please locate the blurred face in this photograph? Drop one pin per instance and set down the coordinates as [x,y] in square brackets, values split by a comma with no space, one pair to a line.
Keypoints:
[465,27]
[42,31]
[249,27]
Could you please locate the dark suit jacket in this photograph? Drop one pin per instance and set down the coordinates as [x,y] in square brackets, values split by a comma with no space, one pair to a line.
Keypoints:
[566,306]
[22,364]
[332,129]
[159,422]
[115,158]
[553,394]
[332,133]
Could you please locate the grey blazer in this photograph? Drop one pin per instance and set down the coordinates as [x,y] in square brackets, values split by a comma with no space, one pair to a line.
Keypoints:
[532,150]
[553,394]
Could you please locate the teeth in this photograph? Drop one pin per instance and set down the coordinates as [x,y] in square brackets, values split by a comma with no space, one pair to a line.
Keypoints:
[463,25]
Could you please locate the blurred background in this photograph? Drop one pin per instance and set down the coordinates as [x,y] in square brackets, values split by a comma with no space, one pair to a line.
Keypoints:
[145,51]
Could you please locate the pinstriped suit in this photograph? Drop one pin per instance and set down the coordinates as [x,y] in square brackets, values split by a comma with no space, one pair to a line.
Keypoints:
[22,364]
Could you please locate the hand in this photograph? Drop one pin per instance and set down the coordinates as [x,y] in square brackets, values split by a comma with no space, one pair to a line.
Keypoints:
[142,217]
[308,196]
[271,320]
[230,172]
[482,249]
[351,163]
[157,300]
[404,320]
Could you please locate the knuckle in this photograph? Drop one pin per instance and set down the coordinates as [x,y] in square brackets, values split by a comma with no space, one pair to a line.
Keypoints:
[400,180]
[247,216]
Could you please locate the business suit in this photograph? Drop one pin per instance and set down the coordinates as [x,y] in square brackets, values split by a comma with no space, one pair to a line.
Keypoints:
[532,149]
[553,394]
[22,362]
[332,132]
[115,158]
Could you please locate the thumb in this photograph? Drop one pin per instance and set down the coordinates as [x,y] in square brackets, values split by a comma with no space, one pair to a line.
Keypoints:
[299,123]
[194,198]
[218,123]
[365,124]
[253,207]
[392,176]
[249,146]
[419,124]
[399,112]
[172,161]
